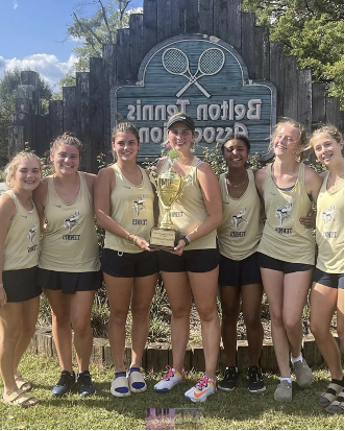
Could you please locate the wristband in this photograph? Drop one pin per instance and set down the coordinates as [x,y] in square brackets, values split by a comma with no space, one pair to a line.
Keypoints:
[186,239]
[128,235]
[135,239]
[1,285]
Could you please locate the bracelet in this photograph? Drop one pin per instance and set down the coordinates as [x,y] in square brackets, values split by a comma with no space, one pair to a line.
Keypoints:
[128,235]
[1,285]
[186,239]
[135,239]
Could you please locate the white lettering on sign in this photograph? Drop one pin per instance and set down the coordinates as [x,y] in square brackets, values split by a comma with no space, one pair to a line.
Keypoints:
[227,110]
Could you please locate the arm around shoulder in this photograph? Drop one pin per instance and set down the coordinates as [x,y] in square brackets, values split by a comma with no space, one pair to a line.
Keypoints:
[313,182]
[259,176]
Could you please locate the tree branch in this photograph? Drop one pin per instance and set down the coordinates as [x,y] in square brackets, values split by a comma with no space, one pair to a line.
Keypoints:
[86,27]
[104,14]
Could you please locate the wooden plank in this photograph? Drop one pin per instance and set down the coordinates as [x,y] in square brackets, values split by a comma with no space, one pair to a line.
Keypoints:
[262,53]
[192,16]
[69,112]
[333,111]
[150,25]
[248,42]
[96,111]
[290,87]
[319,104]
[276,73]
[136,45]
[242,355]
[55,117]
[197,358]
[29,77]
[305,98]
[206,16]
[83,118]
[107,355]
[234,19]
[220,19]
[157,357]
[164,28]
[122,56]
[109,79]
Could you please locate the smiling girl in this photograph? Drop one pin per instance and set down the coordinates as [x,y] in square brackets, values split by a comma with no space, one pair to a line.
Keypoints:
[239,271]
[124,207]
[328,287]
[287,249]
[192,267]
[69,264]
[19,293]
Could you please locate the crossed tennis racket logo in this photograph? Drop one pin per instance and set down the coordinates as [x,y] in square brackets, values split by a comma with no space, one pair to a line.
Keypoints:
[211,61]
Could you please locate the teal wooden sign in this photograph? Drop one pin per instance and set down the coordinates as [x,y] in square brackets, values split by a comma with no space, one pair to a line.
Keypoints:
[204,77]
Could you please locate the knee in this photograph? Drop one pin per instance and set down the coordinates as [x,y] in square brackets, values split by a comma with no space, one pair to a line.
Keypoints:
[181,311]
[81,326]
[207,313]
[277,319]
[118,318]
[229,316]
[317,329]
[61,319]
[140,312]
[28,330]
[253,323]
[291,324]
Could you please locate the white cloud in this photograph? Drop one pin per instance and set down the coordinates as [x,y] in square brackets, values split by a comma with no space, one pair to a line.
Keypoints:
[48,66]
[15,4]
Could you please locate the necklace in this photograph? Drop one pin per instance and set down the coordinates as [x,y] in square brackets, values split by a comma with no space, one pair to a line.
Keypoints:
[238,185]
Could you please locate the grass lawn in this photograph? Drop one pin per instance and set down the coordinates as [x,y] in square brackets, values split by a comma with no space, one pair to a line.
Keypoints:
[236,410]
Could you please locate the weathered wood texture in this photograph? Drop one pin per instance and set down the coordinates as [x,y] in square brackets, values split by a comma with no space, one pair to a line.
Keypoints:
[86,108]
[158,355]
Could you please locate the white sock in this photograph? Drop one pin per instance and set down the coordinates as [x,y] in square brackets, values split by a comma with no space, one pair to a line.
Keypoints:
[300,358]
[288,379]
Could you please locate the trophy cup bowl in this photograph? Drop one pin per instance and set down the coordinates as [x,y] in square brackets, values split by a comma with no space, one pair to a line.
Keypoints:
[169,186]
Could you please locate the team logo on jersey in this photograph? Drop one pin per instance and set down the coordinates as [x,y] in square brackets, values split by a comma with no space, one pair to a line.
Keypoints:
[283,213]
[327,215]
[238,219]
[138,205]
[32,233]
[72,221]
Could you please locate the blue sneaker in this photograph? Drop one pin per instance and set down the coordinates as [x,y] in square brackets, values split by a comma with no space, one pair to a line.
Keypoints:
[65,384]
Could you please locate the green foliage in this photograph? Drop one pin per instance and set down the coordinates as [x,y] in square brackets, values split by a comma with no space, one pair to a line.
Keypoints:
[312,30]
[94,32]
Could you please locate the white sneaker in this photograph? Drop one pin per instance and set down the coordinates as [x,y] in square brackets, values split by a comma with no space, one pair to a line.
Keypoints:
[203,389]
[136,381]
[119,387]
[171,379]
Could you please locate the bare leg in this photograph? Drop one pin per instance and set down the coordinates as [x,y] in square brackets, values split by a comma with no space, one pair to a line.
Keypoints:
[296,286]
[60,304]
[119,293]
[340,315]
[230,301]
[29,319]
[143,291]
[10,330]
[251,308]
[81,306]
[274,287]
[205,286]
[180,299]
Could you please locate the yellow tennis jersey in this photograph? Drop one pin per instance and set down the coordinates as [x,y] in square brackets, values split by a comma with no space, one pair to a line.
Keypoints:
[284,237]
[131,207]
[21,248]
[330,229]
[69,243]
[241,229]
[189,209]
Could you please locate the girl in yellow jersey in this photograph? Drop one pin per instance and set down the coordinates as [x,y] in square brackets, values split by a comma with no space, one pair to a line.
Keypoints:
[19,293]
[287,249]
[124,207]
[69,264]
[328,287]
[239,271]
[193,265]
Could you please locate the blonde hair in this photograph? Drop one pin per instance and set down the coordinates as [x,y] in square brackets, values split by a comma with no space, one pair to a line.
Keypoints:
[12,166]
[330,130]
[125,127]
[67,138]
[302,140]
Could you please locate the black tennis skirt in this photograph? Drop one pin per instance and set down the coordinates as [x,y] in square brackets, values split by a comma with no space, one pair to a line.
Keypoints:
[21,284]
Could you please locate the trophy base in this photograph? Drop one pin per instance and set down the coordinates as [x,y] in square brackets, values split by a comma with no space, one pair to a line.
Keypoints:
[163,238]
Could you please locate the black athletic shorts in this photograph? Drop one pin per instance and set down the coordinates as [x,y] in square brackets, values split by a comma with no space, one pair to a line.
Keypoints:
[191,260]
[69,282]
[239,273]
[280,265]
[118,264]
[21,284]
[330,280]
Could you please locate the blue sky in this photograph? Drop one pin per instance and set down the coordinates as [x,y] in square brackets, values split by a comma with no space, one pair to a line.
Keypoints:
[33,35]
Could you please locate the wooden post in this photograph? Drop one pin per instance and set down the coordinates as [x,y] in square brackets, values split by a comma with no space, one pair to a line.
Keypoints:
[96,111]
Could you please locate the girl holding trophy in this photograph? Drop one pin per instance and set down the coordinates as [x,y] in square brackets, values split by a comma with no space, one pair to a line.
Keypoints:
[191,267]
[124,208]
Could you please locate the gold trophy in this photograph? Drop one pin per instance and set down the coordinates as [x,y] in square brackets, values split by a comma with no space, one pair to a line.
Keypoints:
[169,186]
